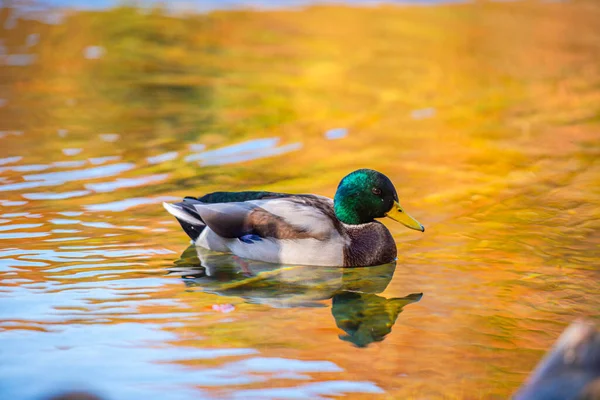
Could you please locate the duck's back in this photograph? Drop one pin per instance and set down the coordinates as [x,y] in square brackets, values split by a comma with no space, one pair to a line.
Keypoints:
[234,197]
[266,226]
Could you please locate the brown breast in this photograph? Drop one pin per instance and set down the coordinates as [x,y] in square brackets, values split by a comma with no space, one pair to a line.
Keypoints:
[369,244]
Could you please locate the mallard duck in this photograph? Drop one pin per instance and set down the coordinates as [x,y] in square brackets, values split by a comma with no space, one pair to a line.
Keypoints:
[301,229]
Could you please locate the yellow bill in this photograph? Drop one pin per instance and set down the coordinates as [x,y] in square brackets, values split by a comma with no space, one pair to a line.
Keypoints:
[398,214]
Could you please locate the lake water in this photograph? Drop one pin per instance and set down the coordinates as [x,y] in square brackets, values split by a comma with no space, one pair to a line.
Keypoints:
[485,116]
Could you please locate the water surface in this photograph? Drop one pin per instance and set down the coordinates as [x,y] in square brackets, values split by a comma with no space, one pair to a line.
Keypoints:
[484,115]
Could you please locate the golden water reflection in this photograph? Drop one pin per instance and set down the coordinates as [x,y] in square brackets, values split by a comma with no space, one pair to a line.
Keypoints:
[484,115]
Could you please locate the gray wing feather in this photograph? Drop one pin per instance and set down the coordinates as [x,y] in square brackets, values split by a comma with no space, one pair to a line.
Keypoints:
[228,220]
[277,218]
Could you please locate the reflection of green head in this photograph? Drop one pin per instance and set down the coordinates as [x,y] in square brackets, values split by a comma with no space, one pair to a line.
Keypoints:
[367,318]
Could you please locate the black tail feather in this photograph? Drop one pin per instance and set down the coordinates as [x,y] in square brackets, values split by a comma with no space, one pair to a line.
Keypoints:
[193,231]
[187,216]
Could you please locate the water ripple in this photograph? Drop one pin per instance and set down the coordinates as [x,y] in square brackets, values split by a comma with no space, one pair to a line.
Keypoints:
[126,204]
[10,160]
[245,151]
[161,158]
[316,390]
[23,235]
[76,175]
[18,226]
[126,183]
[26,185]
[56,196]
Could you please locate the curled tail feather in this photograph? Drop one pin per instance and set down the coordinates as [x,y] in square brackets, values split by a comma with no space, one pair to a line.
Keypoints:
[188,218]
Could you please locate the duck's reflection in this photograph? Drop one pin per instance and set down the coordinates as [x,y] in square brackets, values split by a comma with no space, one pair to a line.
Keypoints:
[366,317]
[357,309]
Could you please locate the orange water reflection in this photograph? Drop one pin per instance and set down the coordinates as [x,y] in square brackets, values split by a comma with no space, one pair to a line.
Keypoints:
[484,115]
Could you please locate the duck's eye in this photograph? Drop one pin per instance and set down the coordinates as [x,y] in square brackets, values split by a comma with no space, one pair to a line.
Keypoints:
[376,191]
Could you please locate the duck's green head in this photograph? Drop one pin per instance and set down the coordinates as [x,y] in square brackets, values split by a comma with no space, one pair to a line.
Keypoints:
[366,194]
